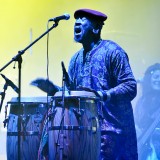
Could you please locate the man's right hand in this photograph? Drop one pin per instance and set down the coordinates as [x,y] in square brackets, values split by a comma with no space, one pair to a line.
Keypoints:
[46,86]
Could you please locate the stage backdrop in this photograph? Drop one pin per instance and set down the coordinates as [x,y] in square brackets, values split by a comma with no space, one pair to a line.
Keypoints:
[132,24]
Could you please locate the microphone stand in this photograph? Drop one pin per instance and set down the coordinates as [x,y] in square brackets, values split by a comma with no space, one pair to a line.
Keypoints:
[63,115]
[18,58]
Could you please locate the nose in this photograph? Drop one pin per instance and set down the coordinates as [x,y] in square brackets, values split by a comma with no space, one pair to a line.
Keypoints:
[78,21]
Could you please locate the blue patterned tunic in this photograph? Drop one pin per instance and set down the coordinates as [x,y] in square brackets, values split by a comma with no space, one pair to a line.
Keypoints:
[106,68]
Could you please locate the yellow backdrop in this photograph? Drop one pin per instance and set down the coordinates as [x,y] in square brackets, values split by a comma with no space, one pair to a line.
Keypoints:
[132,24]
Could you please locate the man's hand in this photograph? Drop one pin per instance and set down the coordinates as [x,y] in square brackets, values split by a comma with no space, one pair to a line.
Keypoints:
[45,85]
[88,89]
[103,95]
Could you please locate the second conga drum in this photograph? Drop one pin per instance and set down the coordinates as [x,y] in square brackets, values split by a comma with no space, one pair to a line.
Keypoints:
[74,132]
[31,114]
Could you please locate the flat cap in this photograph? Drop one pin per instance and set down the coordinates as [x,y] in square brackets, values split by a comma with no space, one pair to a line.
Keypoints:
[90,13]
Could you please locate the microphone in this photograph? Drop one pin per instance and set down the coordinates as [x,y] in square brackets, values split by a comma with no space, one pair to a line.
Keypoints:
[1,93]
[65,74]
[10,83]
[65,16]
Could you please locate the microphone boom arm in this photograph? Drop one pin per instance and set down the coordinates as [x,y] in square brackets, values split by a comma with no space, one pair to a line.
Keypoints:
[15,58]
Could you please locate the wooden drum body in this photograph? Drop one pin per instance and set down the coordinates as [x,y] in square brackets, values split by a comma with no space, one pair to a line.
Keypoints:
[31,114]
[74,132]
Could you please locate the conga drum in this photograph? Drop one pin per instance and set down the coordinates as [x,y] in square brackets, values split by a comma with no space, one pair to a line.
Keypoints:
[74,132]
[31,113]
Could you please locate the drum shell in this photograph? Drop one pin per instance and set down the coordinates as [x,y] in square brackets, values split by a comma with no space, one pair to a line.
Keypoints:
[80,137]
[31,117]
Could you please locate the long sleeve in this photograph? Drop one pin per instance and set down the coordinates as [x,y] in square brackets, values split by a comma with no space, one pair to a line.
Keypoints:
[124,86]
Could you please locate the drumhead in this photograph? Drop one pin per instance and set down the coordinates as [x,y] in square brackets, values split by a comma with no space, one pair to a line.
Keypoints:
[30,100]
[75,94]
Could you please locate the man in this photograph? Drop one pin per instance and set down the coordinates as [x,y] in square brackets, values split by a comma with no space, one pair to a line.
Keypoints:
[102,66]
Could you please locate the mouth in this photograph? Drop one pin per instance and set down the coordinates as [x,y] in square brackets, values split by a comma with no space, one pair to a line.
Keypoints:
[77,30]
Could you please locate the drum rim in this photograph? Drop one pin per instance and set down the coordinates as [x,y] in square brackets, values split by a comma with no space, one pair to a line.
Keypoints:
[76,94]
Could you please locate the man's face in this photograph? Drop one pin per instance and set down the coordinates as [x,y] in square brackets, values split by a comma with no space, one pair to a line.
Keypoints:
[82,29]
[155,80]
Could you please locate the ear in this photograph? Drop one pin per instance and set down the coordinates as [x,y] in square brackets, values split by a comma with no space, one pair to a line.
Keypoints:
[95,31]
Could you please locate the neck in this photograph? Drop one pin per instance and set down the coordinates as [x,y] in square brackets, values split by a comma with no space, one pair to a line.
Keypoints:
[88,46]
